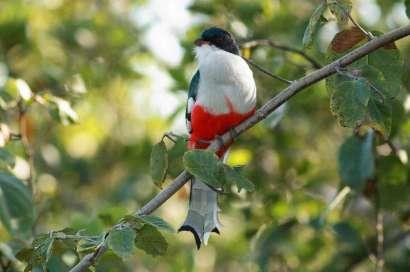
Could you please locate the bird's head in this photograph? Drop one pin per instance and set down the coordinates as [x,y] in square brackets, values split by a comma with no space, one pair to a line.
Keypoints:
[219,38]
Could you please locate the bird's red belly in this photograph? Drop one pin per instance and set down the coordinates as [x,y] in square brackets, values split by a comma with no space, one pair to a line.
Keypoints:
[206,126]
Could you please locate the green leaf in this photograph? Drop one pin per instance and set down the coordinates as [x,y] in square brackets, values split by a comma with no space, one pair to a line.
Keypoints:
[15,205]
[205,166]
[316,20]
[347,236]
[349,100]
[157,222]
[341,9]
[356,161]
[234,176]
[407,3]
[362,95]
[8,158]
[61,109]
[175,155]
[271,241]
[121,241]
[159,163]
[150,240]
[389,63]
[42,249]
[393,183]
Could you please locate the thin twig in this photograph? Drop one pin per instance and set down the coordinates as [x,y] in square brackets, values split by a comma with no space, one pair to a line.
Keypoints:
[259,115]
[267,42]
[267,72]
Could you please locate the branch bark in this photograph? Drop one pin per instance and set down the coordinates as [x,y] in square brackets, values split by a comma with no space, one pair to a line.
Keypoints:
[259,115]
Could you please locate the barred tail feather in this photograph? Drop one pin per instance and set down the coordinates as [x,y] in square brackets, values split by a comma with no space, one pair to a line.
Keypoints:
[202,218]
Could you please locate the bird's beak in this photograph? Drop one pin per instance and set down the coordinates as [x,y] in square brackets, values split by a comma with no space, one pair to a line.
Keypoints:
[200,42]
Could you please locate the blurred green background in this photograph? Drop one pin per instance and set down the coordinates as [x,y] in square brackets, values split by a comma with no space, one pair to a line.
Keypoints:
[125,67]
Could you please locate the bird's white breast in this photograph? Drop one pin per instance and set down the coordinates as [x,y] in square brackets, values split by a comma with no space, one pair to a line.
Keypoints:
[224,76]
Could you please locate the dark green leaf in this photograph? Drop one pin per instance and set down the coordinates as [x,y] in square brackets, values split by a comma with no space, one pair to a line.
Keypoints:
[159,163]
[7,157]
[389,63]
[150,240]
[157,222]
[121,241]
[271,241]
[407,3]
[392,182]
[15,204]
[175,155]
[349,100]
[363,95]
[347,235]
[205,166]
[234,176]
[379,116]
[315,22]
[341,9]
[356,161]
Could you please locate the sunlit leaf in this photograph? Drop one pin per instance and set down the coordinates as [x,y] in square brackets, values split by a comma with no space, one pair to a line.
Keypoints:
[205,166]
[16,204]
[61,109]
[356,161]
[4,134]
[121,241]
[159,163]
[23,89]
[150,240]
[315,22]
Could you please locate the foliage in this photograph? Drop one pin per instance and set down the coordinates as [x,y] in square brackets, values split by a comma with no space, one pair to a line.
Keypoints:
[85,96]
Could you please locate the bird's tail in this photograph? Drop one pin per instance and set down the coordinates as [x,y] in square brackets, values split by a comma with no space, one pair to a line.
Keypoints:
[202,218]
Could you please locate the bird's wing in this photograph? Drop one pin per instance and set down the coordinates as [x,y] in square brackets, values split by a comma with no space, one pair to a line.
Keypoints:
[192,94]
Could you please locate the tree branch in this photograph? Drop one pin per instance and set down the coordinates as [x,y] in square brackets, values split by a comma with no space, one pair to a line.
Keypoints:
[259,115]
[268,42]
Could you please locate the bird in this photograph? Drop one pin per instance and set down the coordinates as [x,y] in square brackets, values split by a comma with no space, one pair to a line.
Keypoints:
[221,94]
